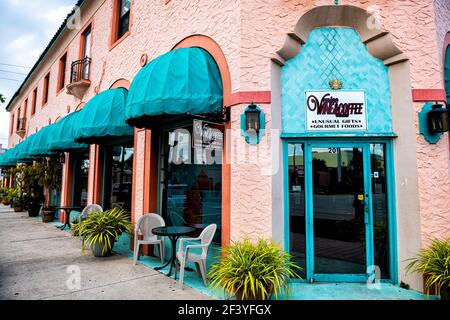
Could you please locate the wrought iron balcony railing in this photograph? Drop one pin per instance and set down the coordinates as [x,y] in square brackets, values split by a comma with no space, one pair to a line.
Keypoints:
[80,70]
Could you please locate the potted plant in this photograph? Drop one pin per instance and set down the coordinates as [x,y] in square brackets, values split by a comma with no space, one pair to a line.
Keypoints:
[18,204]
[253,271]
[100,230]
[434,265]
[9,198]
[34,193]
[75,226]
[50,179]
[48,213]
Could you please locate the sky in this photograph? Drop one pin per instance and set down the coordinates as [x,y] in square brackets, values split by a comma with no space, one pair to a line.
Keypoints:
[26,27]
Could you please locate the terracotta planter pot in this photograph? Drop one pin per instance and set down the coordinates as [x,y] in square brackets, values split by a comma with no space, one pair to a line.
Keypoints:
[18,209]
[47,216]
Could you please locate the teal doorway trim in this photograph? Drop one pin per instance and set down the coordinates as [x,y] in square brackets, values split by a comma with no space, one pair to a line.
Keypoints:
[364,144]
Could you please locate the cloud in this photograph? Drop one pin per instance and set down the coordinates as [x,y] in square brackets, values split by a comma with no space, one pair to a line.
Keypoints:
[27,27]
[25,49]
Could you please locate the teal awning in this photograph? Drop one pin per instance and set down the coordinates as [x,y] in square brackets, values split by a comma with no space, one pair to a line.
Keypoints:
[5,159]
[62,137]
[38,146]
[23,153]
[15,154]
[182,81]
[102,119]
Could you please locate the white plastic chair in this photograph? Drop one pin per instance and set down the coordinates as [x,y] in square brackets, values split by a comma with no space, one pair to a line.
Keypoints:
[184,256]
[91,208]
[145,225]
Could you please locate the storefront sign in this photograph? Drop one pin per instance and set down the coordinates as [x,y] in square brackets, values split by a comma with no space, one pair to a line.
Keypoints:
[208,135]
[335,111]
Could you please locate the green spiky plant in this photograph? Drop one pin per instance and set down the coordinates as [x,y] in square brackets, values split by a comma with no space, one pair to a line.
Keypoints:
[433,263]
[253,271]
[103,228]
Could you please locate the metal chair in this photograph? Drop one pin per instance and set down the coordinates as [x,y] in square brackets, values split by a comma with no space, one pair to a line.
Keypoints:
[145,225]
[184,256]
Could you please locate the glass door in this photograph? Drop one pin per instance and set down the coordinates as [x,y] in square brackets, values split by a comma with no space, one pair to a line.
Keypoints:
[340,212]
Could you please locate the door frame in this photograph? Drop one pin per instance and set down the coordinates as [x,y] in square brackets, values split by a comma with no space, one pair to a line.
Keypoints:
[364,143]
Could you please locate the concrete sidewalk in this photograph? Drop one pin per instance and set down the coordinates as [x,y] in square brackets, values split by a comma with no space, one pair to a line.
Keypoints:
[34,262]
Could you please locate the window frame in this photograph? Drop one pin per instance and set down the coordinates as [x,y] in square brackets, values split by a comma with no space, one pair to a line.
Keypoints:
[34,101]
[45,89]
[11,130]
[62,73]
[25,108]
[18,118]
[115,38]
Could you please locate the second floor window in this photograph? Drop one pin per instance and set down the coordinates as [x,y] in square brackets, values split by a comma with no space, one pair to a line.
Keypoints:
[25,108]
[11,130]
[62,72]
[124,18]
[33,102]
[45,89]
[18,119]
[86,47]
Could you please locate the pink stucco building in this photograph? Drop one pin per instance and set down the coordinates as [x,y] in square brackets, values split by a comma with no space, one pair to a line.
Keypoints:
[341,190]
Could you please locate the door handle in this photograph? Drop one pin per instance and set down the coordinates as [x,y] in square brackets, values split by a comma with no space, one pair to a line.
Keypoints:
[366,209]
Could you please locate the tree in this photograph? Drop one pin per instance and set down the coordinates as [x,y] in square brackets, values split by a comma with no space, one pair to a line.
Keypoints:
[2,98]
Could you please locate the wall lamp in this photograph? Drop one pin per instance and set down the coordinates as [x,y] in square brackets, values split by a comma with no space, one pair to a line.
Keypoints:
[438,118]
[253,124]
[434,121]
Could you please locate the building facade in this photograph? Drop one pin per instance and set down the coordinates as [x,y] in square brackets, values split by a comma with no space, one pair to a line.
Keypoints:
[337,171]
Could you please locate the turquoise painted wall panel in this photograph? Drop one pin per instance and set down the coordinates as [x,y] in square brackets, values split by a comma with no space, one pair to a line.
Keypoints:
[335,53]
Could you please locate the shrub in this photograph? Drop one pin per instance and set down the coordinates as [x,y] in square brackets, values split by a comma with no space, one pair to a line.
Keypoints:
[253,271]
[433,263]
[103,228]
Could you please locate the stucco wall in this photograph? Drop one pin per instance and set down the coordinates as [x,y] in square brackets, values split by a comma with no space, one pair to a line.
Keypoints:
[442,17]
[251,187]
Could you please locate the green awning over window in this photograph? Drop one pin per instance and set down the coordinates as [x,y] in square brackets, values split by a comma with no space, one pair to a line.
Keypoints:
[182,81]
[16,155]
[38,146]
[5,159]
[62,137]
[23,154]
[102,119]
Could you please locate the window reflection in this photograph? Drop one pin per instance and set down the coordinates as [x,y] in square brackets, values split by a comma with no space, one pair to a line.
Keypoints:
[192,186]
[81,171]
[118,177]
